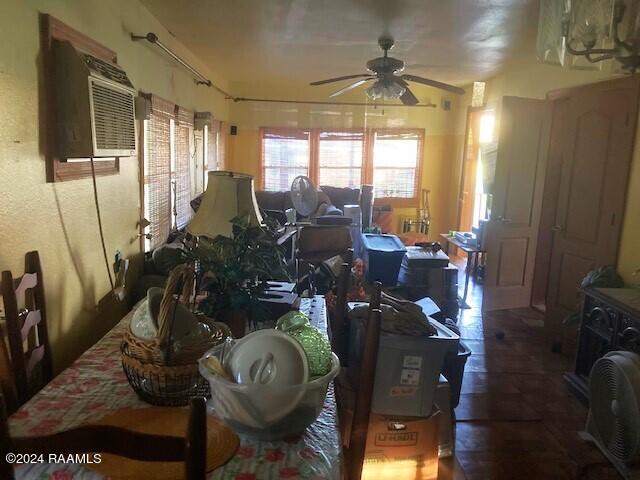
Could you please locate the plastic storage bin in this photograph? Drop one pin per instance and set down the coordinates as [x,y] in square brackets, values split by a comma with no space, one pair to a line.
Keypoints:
[418,257]
[453,370]
[438,283]
[445,427]
[382,255]
[407,370]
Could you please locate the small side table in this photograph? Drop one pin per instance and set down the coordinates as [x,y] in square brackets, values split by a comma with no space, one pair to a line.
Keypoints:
[473,254]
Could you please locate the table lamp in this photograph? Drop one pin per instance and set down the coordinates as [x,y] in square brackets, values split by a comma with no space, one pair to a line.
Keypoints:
[228,195]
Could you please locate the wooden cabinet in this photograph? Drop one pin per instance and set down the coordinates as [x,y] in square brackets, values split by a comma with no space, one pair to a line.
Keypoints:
[610,320]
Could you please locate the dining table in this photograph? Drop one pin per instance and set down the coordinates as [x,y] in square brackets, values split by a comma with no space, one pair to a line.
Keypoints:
[95,386]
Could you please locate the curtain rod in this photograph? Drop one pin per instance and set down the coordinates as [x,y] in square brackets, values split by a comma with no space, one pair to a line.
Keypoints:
[201,79]
[315,102]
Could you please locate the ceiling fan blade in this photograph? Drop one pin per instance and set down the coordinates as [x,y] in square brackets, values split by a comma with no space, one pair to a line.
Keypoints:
[337,79]
[350,87]
[408,98]
[433,83]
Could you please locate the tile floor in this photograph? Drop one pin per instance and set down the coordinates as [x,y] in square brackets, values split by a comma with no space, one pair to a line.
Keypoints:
[516,418]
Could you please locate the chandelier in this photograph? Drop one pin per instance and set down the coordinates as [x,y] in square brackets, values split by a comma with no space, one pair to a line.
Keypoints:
[596,30]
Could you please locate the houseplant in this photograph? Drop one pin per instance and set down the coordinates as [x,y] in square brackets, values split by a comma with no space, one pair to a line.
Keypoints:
[232,270]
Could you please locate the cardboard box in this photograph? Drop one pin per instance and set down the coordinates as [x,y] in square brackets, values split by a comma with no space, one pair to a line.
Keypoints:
[402,448]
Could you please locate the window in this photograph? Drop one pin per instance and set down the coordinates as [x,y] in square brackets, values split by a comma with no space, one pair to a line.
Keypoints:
[181,173]
[340,158]
[172,157]
[215,147]
[157,154]
[485,167]
[285,155]
[396,156]
[388,158]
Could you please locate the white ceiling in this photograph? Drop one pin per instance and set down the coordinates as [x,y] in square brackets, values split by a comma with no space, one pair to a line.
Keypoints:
[455,41]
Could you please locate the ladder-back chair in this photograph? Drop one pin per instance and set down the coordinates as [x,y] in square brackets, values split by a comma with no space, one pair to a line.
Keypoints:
[26,324]
[354,396]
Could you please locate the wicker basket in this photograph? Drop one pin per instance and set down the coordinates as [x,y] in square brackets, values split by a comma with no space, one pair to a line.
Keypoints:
[159,373]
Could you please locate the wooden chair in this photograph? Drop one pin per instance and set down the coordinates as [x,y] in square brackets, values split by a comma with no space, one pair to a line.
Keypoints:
[317,243]
[26,317]
[190,449]
[354,397]
[7,384]
[338,324]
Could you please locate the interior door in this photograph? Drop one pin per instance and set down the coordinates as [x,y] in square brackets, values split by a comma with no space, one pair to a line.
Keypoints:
[597,148]
[511,233]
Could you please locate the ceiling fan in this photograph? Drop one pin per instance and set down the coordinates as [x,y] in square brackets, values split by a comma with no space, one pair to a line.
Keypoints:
[388,84]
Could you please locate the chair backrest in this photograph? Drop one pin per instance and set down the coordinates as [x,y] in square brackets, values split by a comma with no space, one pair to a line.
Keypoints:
[318,241]
[190,449]
[363,387]
[26,322]
[7,383]
[338,326]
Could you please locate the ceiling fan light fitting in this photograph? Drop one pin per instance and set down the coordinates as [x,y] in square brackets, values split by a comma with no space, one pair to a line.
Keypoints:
[386,91]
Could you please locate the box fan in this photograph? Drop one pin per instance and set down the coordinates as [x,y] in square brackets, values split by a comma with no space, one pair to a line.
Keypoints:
[614,410]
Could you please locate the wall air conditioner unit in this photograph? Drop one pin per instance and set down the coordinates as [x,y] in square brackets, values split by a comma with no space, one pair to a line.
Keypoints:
[95,105]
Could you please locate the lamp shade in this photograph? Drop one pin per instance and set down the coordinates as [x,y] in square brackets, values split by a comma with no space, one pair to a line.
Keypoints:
[228,195]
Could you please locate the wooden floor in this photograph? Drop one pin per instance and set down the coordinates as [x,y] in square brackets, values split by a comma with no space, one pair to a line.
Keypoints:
[516,418]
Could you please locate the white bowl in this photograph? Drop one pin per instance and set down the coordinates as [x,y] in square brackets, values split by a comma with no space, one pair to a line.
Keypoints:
[265,411]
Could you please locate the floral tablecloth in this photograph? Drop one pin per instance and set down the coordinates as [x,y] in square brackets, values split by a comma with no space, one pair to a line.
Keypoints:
[95,386]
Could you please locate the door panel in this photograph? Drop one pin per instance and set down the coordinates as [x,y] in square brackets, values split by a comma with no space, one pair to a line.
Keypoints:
[572,270]
[521,181]
[511,234]
[512,261]
[597,145]
[584,184]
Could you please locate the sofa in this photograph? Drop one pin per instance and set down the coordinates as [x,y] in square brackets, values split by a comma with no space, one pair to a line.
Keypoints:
[331,201]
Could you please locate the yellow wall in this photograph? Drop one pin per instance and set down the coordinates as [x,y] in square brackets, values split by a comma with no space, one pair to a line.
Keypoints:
[440,165]
[526,77]
[59,219]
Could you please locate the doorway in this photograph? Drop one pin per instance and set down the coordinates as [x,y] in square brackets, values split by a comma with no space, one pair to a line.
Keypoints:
[590,152]
[479,153]
[557,214]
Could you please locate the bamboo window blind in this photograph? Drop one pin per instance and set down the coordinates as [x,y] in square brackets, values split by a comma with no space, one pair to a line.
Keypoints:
[285,155]
[390,158]
[396,157]
[157,170]
[172,164]
[340,158]
[216,143]
[211,148]
[182,174]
